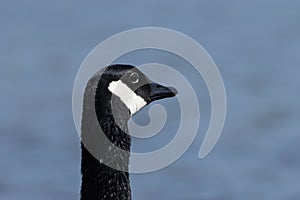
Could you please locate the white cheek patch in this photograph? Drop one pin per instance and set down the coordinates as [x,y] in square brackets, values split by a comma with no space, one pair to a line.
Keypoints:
[132,101]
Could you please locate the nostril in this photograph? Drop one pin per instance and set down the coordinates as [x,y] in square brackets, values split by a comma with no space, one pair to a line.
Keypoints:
[160,87]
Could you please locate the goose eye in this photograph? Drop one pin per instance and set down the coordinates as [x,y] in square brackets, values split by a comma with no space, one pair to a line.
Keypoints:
[134,77]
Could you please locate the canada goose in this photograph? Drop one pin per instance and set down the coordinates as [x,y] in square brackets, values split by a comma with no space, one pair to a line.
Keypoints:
[114,94]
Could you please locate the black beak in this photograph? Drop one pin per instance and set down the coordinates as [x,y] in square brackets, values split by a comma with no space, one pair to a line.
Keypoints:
[160,92]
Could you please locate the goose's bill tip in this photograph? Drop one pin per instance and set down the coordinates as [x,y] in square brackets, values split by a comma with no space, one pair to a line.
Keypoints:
[173,90]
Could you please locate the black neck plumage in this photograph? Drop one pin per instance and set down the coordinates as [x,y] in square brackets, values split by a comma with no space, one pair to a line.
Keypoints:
[100,181]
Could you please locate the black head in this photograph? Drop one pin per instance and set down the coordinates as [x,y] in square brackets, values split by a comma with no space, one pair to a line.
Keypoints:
[131,87]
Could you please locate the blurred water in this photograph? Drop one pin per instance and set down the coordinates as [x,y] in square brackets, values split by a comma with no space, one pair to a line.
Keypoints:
[255,45]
